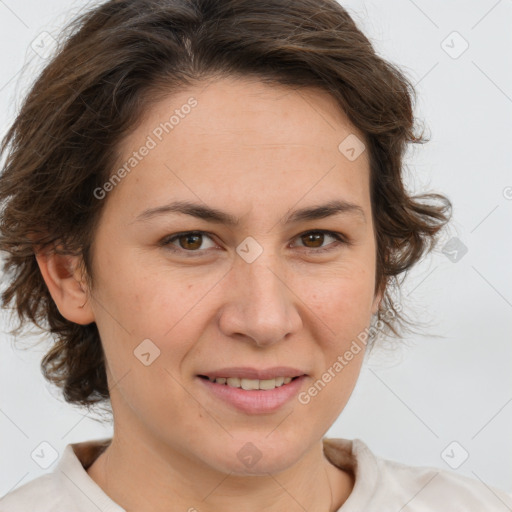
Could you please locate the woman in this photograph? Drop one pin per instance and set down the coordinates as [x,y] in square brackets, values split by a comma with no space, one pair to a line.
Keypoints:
[204,206]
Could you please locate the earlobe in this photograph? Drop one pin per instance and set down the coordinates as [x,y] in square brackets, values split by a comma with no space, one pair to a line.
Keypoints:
[63,278]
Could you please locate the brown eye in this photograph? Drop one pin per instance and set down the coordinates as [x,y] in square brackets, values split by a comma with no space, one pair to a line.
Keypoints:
[190,241]
[315,238]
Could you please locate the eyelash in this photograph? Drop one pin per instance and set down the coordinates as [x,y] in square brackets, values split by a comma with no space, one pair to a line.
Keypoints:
[341,239]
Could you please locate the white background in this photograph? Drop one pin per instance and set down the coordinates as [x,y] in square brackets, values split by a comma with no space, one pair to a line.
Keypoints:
[412,402]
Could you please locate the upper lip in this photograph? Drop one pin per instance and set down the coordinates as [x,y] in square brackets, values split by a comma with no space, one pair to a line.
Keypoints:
[245,372]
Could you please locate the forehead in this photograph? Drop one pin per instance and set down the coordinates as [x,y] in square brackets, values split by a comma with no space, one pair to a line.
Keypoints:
[233,136]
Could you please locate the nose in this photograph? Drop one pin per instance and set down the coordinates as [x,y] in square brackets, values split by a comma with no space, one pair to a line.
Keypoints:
[262,305]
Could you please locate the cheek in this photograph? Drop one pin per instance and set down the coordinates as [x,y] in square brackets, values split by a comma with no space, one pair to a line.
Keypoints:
[143,295]
[325,396]
[344,308]
[342,299]
[141,302]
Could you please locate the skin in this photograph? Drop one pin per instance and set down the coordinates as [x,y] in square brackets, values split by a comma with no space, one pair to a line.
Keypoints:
[257,152]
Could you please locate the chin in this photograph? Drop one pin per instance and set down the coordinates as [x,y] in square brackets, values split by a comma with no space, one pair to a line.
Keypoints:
[257,455]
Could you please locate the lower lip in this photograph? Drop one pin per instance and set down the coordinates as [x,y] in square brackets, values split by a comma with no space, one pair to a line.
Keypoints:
[254,401]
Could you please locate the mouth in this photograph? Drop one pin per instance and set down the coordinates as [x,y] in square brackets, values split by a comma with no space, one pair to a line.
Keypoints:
[251,396]
[251,384]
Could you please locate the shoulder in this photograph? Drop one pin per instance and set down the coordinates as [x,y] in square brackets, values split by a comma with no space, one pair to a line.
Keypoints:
[429,488]
[382,484]
[68,487]
[41,494]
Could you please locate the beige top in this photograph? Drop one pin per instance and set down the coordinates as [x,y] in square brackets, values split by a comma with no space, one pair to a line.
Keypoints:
[380,485]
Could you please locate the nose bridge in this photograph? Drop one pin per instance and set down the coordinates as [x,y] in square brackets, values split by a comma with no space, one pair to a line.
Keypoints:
[261,278]
[263,307]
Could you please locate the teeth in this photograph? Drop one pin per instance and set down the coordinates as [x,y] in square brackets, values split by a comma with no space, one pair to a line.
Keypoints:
[249,384]
[234,382]
[267,384]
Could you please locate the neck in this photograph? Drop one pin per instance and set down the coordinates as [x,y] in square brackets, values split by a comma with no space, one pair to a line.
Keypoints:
[171,481]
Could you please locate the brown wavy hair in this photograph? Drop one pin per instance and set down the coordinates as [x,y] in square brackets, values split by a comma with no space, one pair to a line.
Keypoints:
[111,64]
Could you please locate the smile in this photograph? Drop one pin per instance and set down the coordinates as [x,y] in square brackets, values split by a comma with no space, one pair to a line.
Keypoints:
[251,384]
[242,394]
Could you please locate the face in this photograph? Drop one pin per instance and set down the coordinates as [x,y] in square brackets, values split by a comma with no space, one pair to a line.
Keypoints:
[270,290]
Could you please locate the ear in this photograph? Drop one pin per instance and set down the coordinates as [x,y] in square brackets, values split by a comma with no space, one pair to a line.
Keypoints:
[63,278]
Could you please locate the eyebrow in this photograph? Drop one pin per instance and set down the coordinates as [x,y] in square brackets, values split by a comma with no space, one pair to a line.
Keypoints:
[335,207]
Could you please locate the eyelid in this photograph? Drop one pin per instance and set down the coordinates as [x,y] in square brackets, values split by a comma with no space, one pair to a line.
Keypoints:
[340,238]
[166,242]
